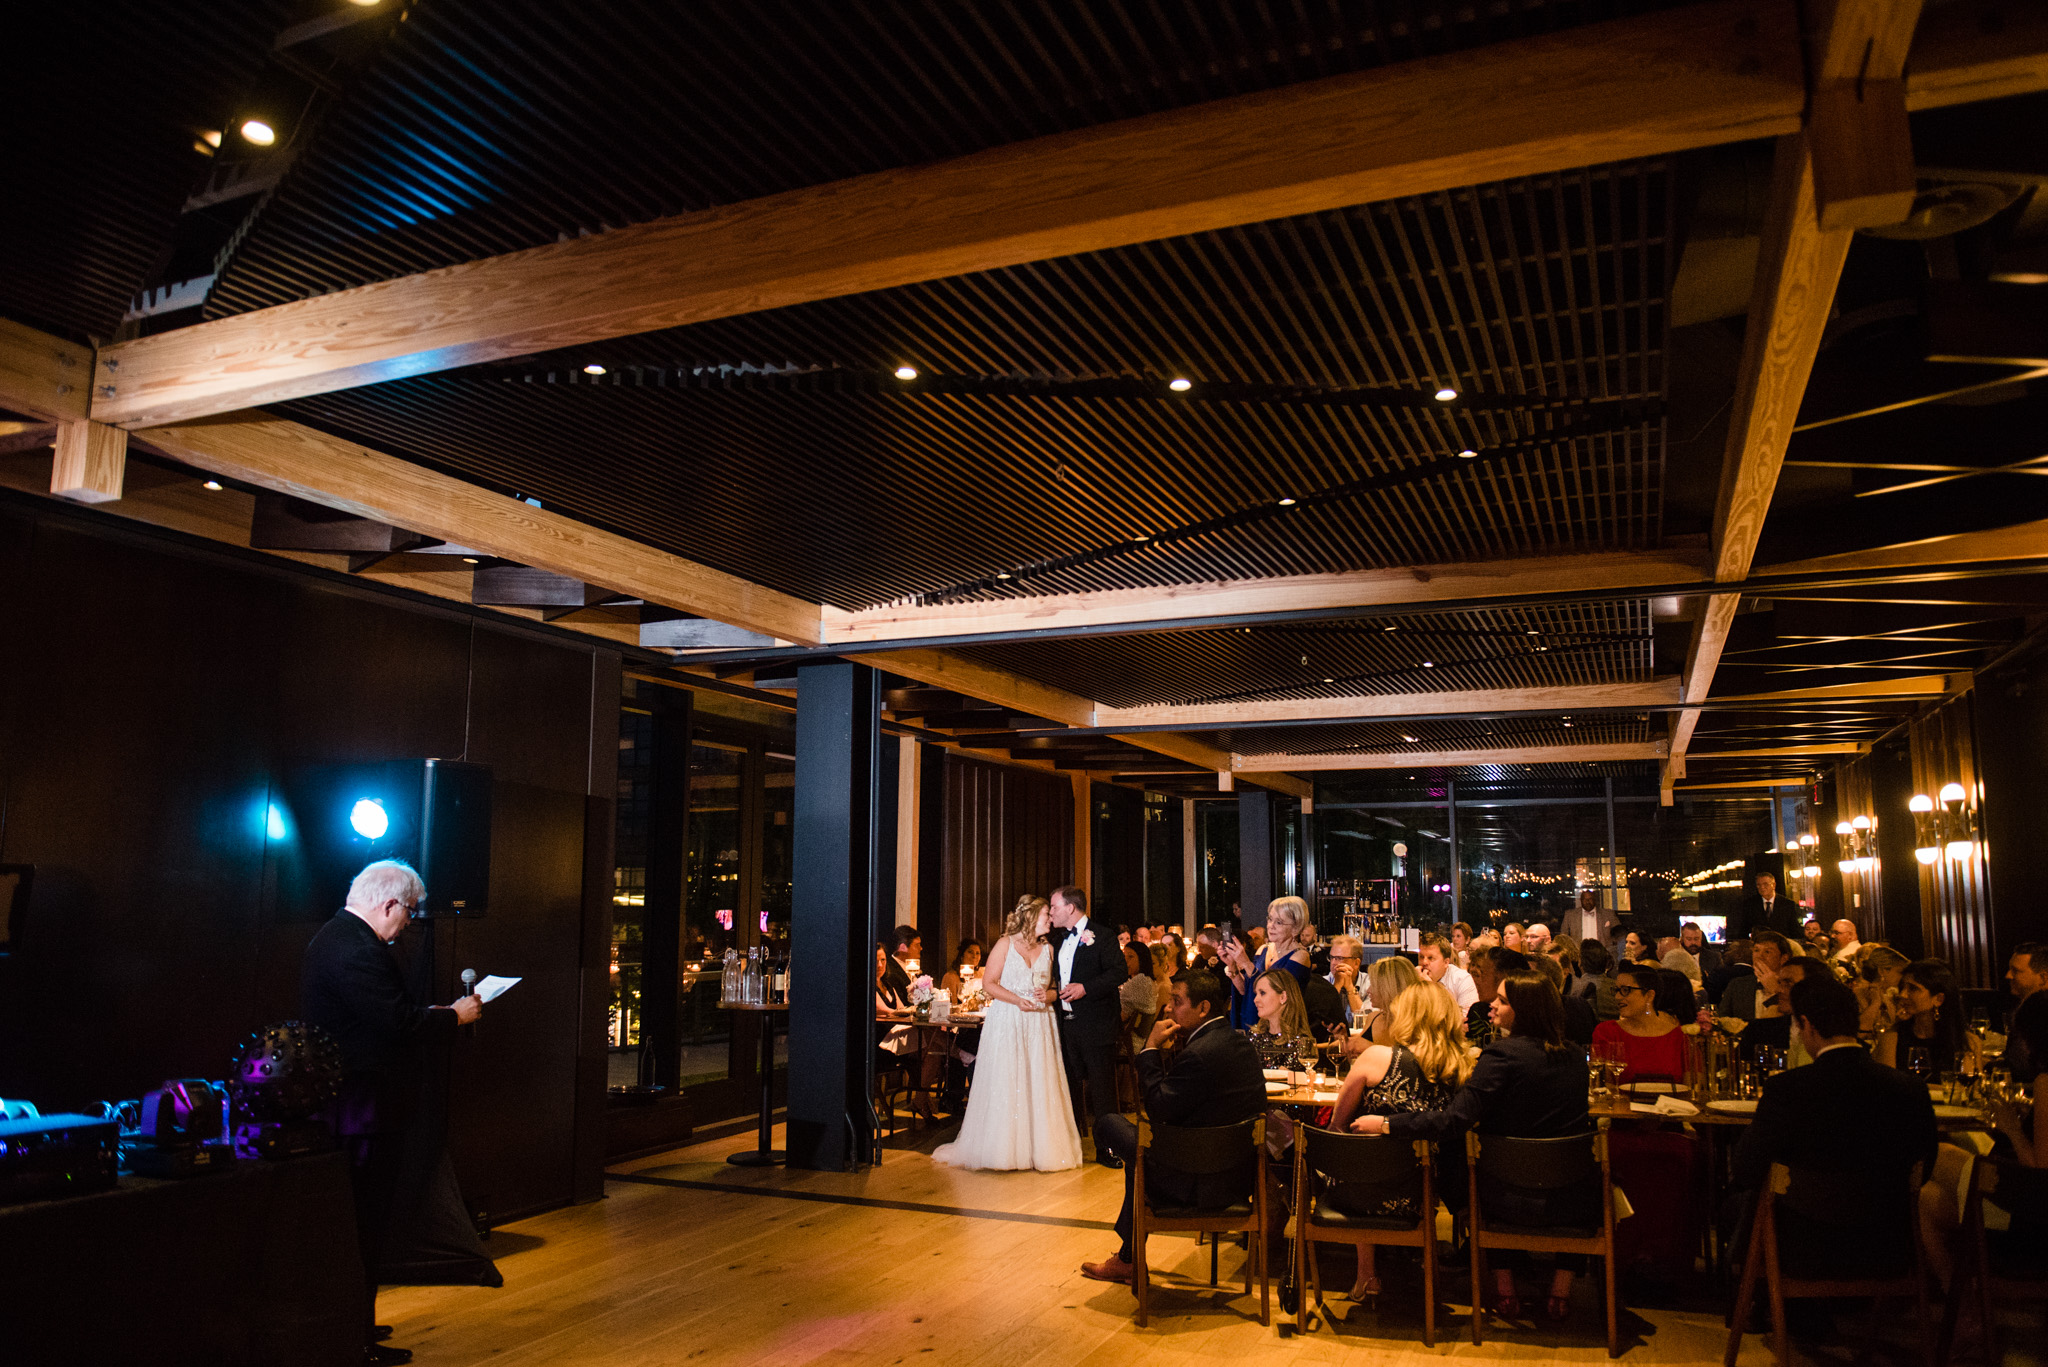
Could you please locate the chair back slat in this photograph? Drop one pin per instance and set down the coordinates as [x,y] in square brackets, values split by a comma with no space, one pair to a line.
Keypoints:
[1362,1158]
[1537,1164]
[1857,1199]
[1203,1150]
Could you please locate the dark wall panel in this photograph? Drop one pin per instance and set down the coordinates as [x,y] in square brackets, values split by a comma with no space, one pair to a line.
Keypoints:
[2012,731]
[1006,832]
[156,696]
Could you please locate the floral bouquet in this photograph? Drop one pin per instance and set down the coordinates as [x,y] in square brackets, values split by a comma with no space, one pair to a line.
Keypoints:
[921,996]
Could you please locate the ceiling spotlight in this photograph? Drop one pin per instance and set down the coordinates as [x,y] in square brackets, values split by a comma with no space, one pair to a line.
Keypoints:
[1390,628]
[1287,503]
[1468,454]
[1002,574]
[471,560]
[1429,664]
[1542,648]
[212,486]
[1532,631]
[1446,394]
[1408,738]
[906,372]
[1179,385]
[1567,725]
[1329,681]
[258,132]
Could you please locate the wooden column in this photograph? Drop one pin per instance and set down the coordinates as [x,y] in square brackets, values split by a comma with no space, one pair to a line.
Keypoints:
[1084,833]
[907,828]
[661,913]
[1190,865]
[831,1015]
[92,461]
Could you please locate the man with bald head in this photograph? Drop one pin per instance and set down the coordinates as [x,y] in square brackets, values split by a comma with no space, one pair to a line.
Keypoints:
[1536,939]
[1846,943]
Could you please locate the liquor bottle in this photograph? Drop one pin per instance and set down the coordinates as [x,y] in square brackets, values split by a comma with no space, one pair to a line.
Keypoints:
[729,983]
[780,995]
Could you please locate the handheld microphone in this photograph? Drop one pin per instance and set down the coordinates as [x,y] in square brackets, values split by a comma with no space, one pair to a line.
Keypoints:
[468,982]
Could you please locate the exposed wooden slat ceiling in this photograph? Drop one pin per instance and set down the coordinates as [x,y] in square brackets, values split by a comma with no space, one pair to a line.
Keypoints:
[1038,451]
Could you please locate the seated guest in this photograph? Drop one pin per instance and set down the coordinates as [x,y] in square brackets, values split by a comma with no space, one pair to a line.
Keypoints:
[1929,1039]
[1694,942]
[1386,980]
[1536,939]
[1488,970]
[1419,1072]
[1282,1024]
[1139,993]
[1576,981]
[1815,935]
[1649,1039]
[1347,960]
[1734,964]
[1682,965]
[1527,1084]
[1791,973]
[1179,947]
[1599,966]
[1878,971]
[1196,1072]
[1749,998]
[966,965]
[1278,947]
[1578,1013]
[1845,1114]
[1461,943]
[1636,950]
[1208,950]
[1846,942]
[907,947]
[1438,964]
[897,1040]
[1511,936]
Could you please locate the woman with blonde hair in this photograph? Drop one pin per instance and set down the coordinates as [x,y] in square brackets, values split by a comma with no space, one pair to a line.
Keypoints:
[1427,1061]
[1020,1113]
[1285,917]
[1385,981]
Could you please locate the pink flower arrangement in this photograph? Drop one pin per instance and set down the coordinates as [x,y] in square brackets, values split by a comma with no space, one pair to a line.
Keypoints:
[921,988]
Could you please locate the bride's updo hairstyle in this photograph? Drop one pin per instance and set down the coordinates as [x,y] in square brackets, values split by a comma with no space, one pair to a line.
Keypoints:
[1024,916]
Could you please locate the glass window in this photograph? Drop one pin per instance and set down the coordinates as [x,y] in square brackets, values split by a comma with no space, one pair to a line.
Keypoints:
[629,884]
[712,901]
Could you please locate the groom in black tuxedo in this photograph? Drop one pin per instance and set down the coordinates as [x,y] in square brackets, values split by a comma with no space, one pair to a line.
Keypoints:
[1088,967]
[1210,1078]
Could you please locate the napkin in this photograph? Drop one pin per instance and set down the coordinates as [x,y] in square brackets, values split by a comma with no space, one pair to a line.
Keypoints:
[1666,1105]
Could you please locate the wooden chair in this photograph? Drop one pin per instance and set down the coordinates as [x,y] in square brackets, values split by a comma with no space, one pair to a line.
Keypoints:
[1130,1097]
[1207,1151]
[2023,1192]
[1823,1190]
[1384,1162]
[1542,1165]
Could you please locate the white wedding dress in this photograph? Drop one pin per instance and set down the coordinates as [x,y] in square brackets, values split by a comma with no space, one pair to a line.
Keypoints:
[1019,1113]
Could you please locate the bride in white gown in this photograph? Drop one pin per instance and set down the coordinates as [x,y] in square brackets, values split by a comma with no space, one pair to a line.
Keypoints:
[1019,1113]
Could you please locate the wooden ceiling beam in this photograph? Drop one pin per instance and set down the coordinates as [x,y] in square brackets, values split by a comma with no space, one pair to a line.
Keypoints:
[1705,74]
[1255,767]
[43,376]
[2022,541]
[1979,50]
[270,453]
[1067,613]
[1566,698]
[1880,690]
[91,461]
[1846,747]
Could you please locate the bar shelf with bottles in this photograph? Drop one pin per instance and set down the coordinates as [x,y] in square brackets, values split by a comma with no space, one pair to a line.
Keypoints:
[754,983]
[1368,908]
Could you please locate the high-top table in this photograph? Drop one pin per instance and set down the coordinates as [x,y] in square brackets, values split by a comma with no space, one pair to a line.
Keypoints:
[764,1154]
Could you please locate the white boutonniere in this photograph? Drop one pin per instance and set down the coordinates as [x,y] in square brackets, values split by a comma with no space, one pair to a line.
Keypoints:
[1087,937]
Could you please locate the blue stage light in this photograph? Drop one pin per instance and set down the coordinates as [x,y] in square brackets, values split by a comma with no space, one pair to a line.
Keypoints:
[369,819]
[273,823]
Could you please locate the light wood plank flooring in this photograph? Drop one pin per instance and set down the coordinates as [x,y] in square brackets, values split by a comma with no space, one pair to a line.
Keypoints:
[915,1263]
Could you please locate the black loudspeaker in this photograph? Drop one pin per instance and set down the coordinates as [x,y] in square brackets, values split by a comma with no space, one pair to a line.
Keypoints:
[455,838]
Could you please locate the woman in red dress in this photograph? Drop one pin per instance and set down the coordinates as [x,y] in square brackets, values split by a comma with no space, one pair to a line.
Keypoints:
[1647,1038]
[1654,1166]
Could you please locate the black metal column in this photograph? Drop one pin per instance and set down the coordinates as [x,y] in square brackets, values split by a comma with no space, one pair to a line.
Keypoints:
[838,734]
[661,912]
[1254,853]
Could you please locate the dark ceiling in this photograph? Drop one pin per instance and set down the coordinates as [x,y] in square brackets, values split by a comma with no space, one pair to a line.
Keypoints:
[1587,321]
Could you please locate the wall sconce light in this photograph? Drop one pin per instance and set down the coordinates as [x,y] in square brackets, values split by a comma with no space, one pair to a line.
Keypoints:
[1944,826]
[1859,843]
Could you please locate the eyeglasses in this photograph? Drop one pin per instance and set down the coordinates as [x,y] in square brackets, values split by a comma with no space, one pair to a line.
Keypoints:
[1619,989]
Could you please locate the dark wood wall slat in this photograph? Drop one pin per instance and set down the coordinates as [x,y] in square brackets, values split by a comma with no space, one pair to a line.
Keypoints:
[1007,832]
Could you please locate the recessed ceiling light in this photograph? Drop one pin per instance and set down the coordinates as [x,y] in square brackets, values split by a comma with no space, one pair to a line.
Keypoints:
[1287,503]
[1179,385]
[1468,454]
[1446,394]
[1390,628]
[1429,664]
[1532,631]
[1003,574]
[211,137]
[211,486]
[1329,681]
[1408,738]
[906,372]
[258,132]
[471,560]
[1540,648]
[1567,724]
[593,369]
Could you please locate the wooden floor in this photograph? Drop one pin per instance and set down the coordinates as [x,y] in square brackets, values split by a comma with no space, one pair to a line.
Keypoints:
[691,1260]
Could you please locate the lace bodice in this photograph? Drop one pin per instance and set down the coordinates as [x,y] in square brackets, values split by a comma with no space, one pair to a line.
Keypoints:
[1024,978]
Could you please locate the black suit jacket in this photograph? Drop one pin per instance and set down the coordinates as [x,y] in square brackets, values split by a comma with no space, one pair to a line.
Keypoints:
[1786,917]
[350,985]
[1213,1078]
[1517,1089]
[1847,1114]
[1100,970]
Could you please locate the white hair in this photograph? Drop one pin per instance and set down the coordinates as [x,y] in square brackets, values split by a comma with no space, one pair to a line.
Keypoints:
[378,883]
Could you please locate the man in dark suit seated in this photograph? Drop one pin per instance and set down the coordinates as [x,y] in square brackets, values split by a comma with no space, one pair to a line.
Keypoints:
[1196,1072]
[1757,997]
[1849,1116]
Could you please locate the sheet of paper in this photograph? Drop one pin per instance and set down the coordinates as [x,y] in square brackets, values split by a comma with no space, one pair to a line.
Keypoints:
[490,988]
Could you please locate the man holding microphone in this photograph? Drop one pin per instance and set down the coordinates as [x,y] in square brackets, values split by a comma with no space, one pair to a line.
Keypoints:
[352,988]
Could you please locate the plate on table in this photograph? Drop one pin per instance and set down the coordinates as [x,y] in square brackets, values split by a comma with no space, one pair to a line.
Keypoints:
[1733,1107]
[1275,1088]
[1275,1074]
[1652,1088]
[1943,1111]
